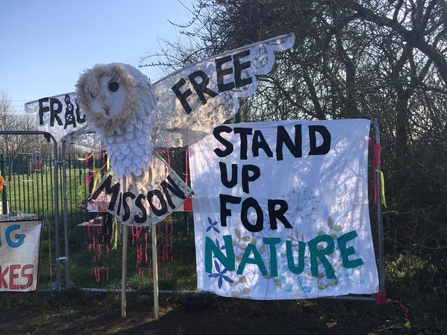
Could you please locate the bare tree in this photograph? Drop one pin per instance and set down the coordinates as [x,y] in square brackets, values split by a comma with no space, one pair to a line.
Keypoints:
[421,24]
[375,59]
[11,120]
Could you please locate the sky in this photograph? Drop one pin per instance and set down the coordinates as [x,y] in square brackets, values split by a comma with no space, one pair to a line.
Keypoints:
[47,44]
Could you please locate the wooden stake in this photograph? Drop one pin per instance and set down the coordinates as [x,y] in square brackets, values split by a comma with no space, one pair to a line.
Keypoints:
[124,271]
[155,269]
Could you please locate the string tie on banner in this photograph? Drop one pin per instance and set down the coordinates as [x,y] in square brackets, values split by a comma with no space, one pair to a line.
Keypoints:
[382,300]
[377,148]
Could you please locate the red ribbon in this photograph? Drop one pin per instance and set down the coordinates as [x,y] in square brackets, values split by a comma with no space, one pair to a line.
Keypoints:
[136,232]
[168,154]
[382,300]
[97,272]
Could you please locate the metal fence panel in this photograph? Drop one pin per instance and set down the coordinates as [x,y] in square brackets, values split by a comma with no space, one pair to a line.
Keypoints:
[94,238]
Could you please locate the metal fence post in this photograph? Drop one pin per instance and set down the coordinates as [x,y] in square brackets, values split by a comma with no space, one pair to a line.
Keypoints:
[378,169]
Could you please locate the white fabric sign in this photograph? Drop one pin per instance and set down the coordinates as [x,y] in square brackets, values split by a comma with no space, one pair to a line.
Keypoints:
[19,255]
[58,115]
[144,200]
[191,101]
[281,210]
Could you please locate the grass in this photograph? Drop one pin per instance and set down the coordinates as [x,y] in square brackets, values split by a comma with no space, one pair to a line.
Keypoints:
[34,194]
[176,271]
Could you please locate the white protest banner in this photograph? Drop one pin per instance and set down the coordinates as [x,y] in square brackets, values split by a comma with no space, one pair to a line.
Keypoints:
[192,100]
[281,210]
[57,115]
[149,198]
[19,255]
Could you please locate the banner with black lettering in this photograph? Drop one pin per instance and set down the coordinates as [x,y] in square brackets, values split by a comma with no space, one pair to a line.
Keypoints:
[141,200]
[19,255]
[57,115]
[281,210]
[192,100]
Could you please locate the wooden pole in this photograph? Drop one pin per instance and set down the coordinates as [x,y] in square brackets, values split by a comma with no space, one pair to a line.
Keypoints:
[124,264]
[155,270]
[124,271]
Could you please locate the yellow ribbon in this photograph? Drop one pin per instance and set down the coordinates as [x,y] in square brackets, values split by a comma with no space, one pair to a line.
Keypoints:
[85,158]
[98,175]
[115,234]
[382,187]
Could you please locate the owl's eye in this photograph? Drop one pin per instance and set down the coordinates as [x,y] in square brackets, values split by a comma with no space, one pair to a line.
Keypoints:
[114,86]
[91,94]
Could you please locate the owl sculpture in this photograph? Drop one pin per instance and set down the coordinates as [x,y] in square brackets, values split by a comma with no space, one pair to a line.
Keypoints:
[121,104]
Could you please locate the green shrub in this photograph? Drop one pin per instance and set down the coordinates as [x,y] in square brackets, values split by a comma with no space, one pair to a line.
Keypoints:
[409,277]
